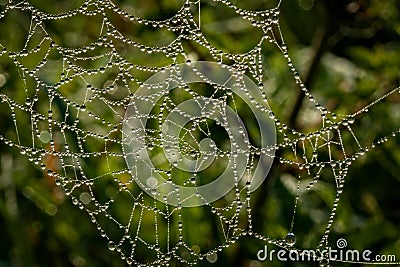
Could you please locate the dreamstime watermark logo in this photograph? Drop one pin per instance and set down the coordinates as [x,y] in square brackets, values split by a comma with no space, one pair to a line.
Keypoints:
[173,119]
[339,254]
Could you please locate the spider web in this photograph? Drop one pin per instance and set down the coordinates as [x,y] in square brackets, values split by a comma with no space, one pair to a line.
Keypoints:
[75,98]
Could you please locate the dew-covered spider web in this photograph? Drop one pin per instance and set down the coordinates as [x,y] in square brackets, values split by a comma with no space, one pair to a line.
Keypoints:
[135,133]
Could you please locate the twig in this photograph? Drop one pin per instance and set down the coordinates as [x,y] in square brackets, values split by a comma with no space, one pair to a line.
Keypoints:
[309,78]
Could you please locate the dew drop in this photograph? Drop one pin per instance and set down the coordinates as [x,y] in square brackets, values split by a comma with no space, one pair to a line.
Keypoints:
[340,188]
[75,201]
[290,239]
[111,245]
[271,115]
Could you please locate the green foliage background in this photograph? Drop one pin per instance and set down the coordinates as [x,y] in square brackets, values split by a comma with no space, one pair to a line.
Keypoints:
[348,52]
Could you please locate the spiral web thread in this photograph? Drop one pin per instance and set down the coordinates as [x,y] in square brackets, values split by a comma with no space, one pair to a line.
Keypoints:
[80,145]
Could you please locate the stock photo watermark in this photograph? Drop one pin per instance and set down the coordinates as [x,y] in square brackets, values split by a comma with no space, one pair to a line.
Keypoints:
[138,155]
[339,254]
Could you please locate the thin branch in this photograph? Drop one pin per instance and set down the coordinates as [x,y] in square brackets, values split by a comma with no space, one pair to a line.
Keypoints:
[321,45]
